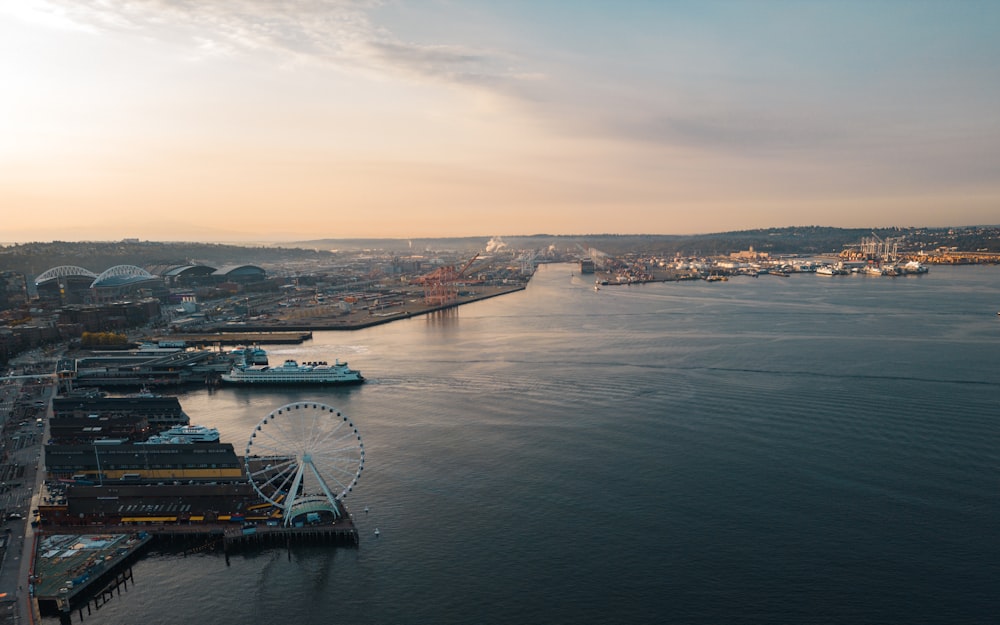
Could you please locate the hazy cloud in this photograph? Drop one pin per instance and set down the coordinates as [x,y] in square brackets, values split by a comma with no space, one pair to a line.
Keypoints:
[334,32]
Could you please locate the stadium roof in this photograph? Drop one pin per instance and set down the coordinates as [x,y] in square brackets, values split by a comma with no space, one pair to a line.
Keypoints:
[122,275]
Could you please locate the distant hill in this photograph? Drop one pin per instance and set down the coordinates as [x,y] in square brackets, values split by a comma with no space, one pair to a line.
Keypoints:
[790,240]
[34,258]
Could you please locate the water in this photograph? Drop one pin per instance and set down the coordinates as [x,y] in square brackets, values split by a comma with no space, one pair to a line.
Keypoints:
[780,450]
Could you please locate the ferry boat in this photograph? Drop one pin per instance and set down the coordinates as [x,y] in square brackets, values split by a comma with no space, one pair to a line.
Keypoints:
[185,434]
[291,372]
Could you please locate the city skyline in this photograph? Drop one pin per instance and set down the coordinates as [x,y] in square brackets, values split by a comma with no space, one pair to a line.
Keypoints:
[256,120]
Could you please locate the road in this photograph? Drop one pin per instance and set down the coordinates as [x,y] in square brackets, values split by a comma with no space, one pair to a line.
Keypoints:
[20,482]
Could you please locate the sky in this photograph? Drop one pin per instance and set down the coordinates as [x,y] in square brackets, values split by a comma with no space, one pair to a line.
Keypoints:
[268,120]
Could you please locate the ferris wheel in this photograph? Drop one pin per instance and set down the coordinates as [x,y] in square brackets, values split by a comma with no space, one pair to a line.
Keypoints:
[304,458]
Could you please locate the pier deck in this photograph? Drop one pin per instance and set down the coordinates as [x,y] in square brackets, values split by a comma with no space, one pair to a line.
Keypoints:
[243,337]
[66,565]
[70,562]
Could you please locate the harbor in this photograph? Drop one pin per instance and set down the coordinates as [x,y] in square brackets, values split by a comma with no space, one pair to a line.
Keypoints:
[119,476]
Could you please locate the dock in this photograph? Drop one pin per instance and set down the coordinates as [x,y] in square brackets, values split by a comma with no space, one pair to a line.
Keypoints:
[242,336]
[341,533]
[80,568]
[67,567]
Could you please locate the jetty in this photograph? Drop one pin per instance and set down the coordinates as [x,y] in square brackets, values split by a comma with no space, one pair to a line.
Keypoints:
[80,568]
[243,336]
[68,567]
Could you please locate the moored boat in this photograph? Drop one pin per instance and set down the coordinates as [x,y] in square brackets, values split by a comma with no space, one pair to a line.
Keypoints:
[252,355]
[291,372]
[831,270]
[913,267]
[185,434]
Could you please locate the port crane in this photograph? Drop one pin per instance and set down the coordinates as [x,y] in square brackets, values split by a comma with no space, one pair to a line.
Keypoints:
[874,248]
[441,285]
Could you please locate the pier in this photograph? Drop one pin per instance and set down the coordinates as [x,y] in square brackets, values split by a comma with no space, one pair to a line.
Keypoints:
[242,336]
[70,562]
[341,533]
[67,567]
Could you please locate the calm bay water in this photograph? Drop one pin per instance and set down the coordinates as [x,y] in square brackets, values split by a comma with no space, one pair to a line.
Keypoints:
[776,450]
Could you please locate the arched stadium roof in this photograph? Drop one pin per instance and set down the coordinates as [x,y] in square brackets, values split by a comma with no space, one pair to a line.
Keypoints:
[187,269]
[64,271]
[239,270]
[122,275]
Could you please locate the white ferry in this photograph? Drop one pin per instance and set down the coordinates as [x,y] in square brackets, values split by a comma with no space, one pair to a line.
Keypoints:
[291,372]
[180,434]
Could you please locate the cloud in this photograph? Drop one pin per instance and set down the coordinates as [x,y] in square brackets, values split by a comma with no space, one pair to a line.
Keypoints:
[739,132]
[452,63]
[330,32]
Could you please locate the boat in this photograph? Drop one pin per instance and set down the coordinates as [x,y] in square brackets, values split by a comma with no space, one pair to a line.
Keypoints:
[143,393]
[291,372]
[830,270]
[253,355]
[183,434]
[913,267]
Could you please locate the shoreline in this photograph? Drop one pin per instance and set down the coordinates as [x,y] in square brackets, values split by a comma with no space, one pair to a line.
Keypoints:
[358,320]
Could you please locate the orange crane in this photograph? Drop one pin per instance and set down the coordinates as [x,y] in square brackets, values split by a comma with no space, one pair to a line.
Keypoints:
[441,285]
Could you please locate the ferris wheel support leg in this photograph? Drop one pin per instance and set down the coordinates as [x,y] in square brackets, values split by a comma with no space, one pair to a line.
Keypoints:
[326,491]
[292,495]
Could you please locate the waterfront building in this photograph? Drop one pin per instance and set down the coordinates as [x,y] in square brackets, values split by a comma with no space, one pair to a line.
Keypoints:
[159,412]
[127,462]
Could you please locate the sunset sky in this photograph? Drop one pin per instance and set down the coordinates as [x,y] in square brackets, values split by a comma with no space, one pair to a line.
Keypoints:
[254,120]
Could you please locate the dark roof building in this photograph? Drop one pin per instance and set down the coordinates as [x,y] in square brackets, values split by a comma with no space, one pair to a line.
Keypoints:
[122,502]
[186,275]
[201,462]
[160,412]
[240,273]
[84,430]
